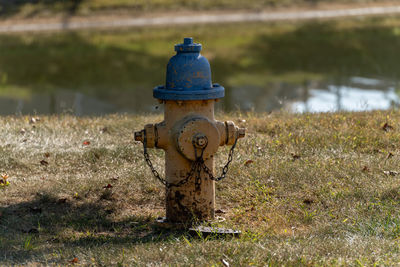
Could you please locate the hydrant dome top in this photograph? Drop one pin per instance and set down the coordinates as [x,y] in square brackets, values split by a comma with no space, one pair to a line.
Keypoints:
[188,76]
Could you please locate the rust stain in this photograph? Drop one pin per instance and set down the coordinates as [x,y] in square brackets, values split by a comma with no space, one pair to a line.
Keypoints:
[199,74]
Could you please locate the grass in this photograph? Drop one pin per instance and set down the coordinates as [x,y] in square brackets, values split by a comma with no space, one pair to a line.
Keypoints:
[320,190]
[46,8]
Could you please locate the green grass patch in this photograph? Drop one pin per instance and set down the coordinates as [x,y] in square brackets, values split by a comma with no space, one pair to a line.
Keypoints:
[320,189]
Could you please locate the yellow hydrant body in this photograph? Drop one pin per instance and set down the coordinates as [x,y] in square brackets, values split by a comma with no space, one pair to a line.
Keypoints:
[189,135]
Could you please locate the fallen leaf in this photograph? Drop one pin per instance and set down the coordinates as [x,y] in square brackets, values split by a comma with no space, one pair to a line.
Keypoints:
[248,162]
[308,201]
[115,178]
[74,260]
[86,143]
[295,156]
[108,186]
[251,209]
[386,127]
[43,162]
[47,154]
[391,173]
[61,201]
[33,120]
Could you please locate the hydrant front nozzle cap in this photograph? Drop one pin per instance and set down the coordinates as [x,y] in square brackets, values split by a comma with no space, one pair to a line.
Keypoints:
[241,132]
[188,46]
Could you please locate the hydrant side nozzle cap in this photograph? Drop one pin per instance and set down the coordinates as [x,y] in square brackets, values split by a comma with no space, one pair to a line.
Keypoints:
[188,46]
[139,136]
[241,132]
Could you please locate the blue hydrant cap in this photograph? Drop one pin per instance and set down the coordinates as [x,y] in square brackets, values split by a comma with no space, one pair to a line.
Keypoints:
[188,76]
[188,46]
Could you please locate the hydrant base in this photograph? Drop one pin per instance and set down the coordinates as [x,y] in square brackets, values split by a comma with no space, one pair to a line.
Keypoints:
[204,231]
[163,222]
[198,230]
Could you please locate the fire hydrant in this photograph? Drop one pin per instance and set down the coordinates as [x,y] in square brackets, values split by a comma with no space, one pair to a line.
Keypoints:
[189,135]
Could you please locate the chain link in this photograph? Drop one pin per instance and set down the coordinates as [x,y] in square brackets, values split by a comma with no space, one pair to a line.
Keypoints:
[157,175]
[225,168]
[197,166]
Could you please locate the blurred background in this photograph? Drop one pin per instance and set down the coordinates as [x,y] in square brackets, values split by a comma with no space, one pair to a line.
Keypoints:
[299,65]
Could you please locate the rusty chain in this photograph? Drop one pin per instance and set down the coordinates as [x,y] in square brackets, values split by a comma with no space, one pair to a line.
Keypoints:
[157,175]
[225,168]
[197,166]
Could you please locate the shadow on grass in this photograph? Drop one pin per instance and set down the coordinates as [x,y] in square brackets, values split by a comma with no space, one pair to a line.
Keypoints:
[31,230]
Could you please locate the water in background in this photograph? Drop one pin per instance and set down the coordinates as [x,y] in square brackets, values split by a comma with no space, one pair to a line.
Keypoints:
[314,67]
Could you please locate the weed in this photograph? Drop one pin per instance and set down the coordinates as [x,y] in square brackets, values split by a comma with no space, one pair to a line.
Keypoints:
[3,180]
[28,244]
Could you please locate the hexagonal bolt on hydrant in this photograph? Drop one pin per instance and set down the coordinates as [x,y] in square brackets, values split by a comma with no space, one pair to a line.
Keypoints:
[189,135]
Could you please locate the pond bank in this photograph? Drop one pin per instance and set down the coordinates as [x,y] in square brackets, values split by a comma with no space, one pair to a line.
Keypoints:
[263,66]
[165,19]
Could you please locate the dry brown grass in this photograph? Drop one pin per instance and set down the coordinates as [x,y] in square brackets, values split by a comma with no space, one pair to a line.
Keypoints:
[320,189]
